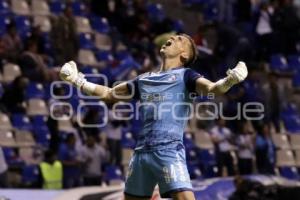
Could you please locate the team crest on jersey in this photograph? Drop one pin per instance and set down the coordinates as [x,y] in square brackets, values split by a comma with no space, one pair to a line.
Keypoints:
[172,78]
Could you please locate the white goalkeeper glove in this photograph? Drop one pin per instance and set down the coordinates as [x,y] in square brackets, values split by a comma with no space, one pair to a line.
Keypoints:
[238,74]
[69,73]
[234,76]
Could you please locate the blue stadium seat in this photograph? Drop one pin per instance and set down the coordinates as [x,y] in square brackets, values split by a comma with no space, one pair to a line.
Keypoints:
[210,11]
[22,122]
[9,154]
[42,136]
[207,157]
[78,8]
[120,72]
[57,7]
[105,56]
[30,174]
[178,26]
[23,24]
[188,140]
[279,63]
[195,172]
[4,7]
[291,123]
[121,55]
[294,62]
[4,20]
[296,80]
[39,121]
[127,140]
[289,172]
[290,109]
[86,41]
[155,12]
[113,173]
[100,24]
[191,156]
[92,74]
[11,157]
[35,90]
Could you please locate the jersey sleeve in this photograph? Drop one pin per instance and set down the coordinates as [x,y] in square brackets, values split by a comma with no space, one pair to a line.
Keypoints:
[190,77]
[133,88]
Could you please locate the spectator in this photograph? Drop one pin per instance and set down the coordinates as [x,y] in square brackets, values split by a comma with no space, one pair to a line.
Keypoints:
[3,170]
[14,96]
[286,26]
[32,63]
[222,137]
[12,42]
[245,144]
[265,151]
[92,119]
[264,31]
[51,172]
[94,156]
[64,37]
[114,134]
[274,100]
[69,156]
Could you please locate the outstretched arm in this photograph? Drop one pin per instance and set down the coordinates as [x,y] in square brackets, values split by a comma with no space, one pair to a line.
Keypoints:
[69,73]
[234,76]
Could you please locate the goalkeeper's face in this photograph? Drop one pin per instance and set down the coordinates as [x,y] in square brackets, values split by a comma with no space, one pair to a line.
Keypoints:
[177,46]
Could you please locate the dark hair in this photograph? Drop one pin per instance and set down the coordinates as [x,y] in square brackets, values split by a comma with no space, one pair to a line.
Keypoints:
[194,49]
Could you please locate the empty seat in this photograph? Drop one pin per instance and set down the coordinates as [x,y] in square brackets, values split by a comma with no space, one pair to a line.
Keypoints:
[195,172]
[44,23]
[37,107]
[87,57]
[22,122]
[100,24]
[4,21]
[78,8]
[10,72]
[24,26]
[281,141]
[57,6]
[4,7]
[126,155]
[39,7]
[7,139]
[285,158]
[203,140]
[188,140]
[294,61]
[295,141]
[35,90]
[278,63]
[83,25]
[24,138]
[5,124]
[113,175]
[30,175]
[103,42]
[86,41]
[20,7]
[289,172]
[127,140]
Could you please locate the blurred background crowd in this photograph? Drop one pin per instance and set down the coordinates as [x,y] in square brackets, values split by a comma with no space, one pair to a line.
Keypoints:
[120,39]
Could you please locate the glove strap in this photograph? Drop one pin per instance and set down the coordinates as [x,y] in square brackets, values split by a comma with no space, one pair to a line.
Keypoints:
[80,80]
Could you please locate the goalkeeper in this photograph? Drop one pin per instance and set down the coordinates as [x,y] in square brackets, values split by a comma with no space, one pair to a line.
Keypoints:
[159,156]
